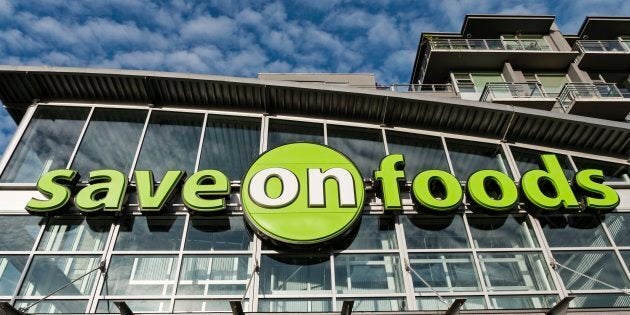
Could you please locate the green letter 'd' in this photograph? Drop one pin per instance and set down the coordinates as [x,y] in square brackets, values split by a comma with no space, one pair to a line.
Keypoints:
[50,185]
[422,190]
[195,190]
[590,182]
[106,191]
[508,194]
[562,193]
[151,200]
[389,174]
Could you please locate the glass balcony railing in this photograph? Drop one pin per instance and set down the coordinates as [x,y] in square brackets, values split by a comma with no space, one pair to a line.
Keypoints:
[412,88]
[585,91]
[489,44]
[602,46]
[511,90]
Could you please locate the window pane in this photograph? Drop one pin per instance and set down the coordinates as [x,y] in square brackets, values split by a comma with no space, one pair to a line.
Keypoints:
[19,232]
[421,152]
[619,228]
[573,231]
[600,301]
[469,157]
[552,83]
[11,268]
[150,233]
[294,273]
[375,304]
[54,306]
[285,131]
[46,144]
[214,305]
[227,233]
[501,231]
[444,272]
[137,306]
[374,232]
[75,234]
[515,272]
[368,273]
[602,266]
[214,275]
[170,143]
[626,257]
[523,302]
[434,232]
[481,79]
[230,144]
[110,141]
[48,273]
[140,275]
[434,304]
[294,305]
[363,146]
[612,172]
[528,160]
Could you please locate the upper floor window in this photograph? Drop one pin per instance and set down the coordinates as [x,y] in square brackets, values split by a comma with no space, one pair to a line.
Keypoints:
[525,42]
[552,83]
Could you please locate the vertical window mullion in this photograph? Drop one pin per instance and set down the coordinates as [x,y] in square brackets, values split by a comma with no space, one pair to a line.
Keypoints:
[108,254]
[480,271]
[98,281]
[142,134]
[404,258]
[203,134]
[181,254]
[17,135]
[448,156]
[511,162]
[76,146]
[29,261]
[616,249]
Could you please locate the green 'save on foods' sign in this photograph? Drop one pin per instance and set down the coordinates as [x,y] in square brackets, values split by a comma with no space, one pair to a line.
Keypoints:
[304,193]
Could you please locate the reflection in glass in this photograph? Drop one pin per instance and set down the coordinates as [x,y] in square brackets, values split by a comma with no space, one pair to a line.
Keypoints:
[421,152]
[573,231]
[469,157]
[363,146]
[48,273]
[619,227]
[150,233]
[46,144]
[11,268]
[602,266]
[294,273]
[230,144]
[170,143]
[374,232]
[75,234]
[110,141]
[214,305]
[613,172]
[515,272]
[294,305]
[434,304]
[19,232]
[434,232]
[527,160]
[375,305]
[501,232]
[213,275]
[600,301]
[444,272]
[526,302]
[138,306]
[285,131]
[140,275]
[217,233]
[51,306]
[368,273]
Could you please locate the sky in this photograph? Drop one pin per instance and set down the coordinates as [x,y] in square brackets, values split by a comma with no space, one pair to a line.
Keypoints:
[247,37]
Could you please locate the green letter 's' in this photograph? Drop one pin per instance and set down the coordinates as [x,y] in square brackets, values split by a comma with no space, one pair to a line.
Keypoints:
[508,194]
[422,190]
[389,174]
[562,193]
[151,200]
[195,190]
[590,182]
[106,191]
[52,186]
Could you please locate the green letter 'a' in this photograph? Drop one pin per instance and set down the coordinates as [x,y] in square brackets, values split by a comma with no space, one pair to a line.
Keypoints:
[561,195]
[53,185]
[476,187]
[389,174]
[106,191]
[590,183]
[196,190]
[421,188]
[151,200]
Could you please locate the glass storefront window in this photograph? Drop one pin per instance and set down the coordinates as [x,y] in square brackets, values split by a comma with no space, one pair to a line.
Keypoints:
[434,232]
[137,306]
[421,152]
[527,160]
[468,157]
[222,233]
[282,273]
[376,304]
[294,305]
[110,141]
[600,301]
[286,131]
[170,143]
[214,305]
[363,146]
[573,231]
[502,231]
[150,233]
[374,232]
[524,302]
[619,227]
[140,275]
[75,234]
[434,303]
[52,306]
[230,144]
[444,272]
[48,273]
[213,275]
[515,272]
[19,232]
[369,273]
[47,143]
[601,265]
[11,268]
[613,172]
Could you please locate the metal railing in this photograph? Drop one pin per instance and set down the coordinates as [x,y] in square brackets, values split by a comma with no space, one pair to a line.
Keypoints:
[411,88]
[489,44]
[602,46]
[511,90]
[581,91]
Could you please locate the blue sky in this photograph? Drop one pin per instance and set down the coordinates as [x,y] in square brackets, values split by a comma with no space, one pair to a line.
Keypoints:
[246,37]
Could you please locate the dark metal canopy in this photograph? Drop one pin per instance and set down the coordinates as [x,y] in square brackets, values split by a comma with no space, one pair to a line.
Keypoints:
[492,26]
[604,28]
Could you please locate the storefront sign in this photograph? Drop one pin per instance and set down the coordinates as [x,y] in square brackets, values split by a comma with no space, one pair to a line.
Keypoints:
[307,193]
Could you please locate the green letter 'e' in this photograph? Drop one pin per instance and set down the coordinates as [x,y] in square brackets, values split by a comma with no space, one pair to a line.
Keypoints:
[422,190]
[151,200]
[106,191]
[51,186]
[555,176]
[194,190]
[590,182]
[508,196]
[389,174]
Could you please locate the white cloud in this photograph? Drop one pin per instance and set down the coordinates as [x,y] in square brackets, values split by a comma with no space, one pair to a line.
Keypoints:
[6,8]
[7,128]
[208,29]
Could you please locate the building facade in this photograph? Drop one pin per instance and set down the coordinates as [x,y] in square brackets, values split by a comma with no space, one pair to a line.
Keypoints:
[496,96]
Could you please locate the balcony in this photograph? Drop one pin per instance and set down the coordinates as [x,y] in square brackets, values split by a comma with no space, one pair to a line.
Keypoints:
[530,95]
[600,100]
[603,54]
[442,90]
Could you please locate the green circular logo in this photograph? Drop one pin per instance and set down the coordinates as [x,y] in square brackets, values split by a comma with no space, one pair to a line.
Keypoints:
[302,193]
